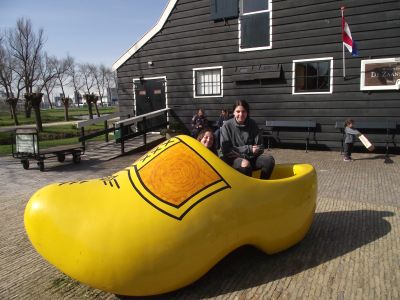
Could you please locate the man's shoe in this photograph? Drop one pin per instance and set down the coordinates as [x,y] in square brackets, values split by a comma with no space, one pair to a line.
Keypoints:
[164,221]
[347,159]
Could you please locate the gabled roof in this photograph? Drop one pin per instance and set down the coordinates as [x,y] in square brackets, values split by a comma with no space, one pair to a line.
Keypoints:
[139,44]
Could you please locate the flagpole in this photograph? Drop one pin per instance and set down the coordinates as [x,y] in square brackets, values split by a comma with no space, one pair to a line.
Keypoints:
[343,54]
[344,64]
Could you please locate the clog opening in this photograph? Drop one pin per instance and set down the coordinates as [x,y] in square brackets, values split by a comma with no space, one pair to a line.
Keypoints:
[279,172]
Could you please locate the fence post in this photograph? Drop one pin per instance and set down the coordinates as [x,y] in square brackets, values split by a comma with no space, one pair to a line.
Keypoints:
[106,128]
[82,136]
[121,133]
[145,130]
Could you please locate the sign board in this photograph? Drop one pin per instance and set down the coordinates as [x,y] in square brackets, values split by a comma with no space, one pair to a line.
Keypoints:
[380,74]
[26,143]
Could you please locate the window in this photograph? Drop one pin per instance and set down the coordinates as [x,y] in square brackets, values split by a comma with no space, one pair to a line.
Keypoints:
[224,9]
[255,25]
[312,76]
[207,82]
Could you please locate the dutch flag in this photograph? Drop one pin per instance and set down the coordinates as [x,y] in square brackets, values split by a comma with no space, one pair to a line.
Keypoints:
[347,38]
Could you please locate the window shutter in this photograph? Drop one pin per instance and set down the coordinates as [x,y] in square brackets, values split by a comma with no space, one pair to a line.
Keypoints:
[224,9]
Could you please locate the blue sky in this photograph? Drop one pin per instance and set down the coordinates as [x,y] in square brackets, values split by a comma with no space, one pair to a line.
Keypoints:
[92,31]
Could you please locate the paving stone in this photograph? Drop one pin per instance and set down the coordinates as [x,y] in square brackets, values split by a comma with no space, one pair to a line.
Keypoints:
[351,251]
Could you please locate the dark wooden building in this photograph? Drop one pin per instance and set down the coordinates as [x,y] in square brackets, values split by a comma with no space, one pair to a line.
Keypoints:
[283,56]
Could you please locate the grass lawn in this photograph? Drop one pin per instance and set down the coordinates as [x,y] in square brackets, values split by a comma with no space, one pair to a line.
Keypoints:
[7,148]
[54,135]
[52,115]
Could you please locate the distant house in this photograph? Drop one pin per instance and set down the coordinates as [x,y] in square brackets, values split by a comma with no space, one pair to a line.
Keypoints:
[3,94]
[284,57]
[78,99]
[112,96]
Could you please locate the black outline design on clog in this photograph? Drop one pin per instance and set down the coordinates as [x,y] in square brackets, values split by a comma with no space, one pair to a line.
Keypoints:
[136,172]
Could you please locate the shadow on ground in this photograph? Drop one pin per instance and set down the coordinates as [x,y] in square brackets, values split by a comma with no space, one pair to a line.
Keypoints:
[87,163]
[385,158]
[52,166]
[332,235]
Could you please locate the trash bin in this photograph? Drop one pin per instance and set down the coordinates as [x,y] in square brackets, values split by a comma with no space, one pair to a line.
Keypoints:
[117,133]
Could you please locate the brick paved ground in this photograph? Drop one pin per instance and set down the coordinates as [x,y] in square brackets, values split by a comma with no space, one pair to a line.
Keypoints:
[351,252]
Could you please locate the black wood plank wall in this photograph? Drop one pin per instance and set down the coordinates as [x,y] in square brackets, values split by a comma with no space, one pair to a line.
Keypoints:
[302,29]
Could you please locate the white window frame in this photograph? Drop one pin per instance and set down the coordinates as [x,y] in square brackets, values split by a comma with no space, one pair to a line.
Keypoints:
[316,92]
[252,13]
[203,69]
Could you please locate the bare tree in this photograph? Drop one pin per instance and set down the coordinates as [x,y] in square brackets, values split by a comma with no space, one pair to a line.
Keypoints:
[9,80]
[91,99]
[107,78]
[26,48]
[110,79]
[48,75]
[86,71]
[99,80]
[63,69]
[76,78]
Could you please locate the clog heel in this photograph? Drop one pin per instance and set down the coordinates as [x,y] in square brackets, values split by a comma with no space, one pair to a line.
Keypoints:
[164,221]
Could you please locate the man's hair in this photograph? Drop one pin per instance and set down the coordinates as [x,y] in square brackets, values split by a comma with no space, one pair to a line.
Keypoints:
[242,103]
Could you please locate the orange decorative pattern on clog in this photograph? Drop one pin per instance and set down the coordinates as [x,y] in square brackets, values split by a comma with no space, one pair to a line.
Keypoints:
[177,186]
[184,175]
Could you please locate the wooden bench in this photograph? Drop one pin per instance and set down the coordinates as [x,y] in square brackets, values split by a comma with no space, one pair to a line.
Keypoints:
[279,125]
[383,127]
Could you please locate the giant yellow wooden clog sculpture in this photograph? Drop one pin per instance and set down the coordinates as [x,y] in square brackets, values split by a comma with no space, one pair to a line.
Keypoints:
[163,222]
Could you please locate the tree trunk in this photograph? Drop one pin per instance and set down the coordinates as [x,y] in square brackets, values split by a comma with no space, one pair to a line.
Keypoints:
[65,101]
[48,99]
[38,117]
[66,117]
[91,99]
[89,103]
[97,109]
[28,109]
[35,99]
[13,107]
[101,100]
